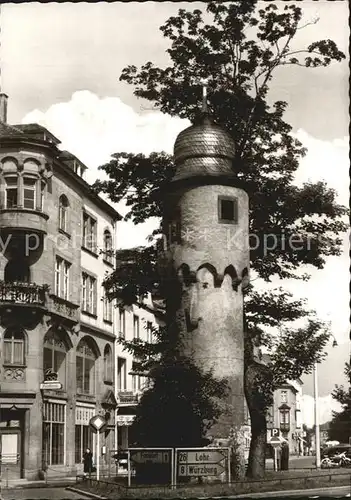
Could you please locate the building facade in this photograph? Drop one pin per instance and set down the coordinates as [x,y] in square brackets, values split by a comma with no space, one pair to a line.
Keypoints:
[133,322]
[286,415]
[57,241]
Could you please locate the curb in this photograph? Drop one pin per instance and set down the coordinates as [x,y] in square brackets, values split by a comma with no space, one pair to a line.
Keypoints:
[35,486]
[84,493]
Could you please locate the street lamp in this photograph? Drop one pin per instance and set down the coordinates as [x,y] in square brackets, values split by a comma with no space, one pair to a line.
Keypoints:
[316,410]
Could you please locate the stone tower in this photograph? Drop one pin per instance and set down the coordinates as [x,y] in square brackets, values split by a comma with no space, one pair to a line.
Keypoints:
[205,223]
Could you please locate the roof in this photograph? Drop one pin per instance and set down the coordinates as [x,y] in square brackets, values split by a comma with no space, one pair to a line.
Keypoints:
[66,156]
[204,149]
[38,131]
[10,131]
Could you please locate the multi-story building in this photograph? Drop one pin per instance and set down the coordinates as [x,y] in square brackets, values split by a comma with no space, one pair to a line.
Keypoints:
[133,323]
[286,415]
[57,239]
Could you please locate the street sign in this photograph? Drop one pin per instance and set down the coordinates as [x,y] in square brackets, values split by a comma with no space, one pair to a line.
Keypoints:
[201,457]
[275,432]
[97,422]
[49,385]
[201,469]
[275,442]
[149,456]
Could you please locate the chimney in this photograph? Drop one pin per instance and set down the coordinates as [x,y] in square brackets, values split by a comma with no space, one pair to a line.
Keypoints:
[3,107]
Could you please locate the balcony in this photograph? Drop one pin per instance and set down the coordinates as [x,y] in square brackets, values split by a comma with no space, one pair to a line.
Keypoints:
[21,219]
[64,308]
[285,427]
[127,398]
[22,294]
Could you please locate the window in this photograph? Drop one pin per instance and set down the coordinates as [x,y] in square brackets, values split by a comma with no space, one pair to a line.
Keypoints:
[284,417]
[108,307]
[89,233]
[62,270]
[83,431]
[54,355]
[85,368]
[121,374]
[122,322]
[88,294]
[135,326]
[14,347]
[227,209]
[270,417]
[54,433]
[134,382]
[149,332]
[108,369]
[29,198]
[283,396]
[11,192]
[108,252]
[63,213]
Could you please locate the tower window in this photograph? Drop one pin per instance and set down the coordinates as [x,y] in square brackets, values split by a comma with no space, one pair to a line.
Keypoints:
[227,209]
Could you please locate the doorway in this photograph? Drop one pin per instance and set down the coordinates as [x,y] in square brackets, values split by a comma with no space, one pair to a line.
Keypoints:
[10,449]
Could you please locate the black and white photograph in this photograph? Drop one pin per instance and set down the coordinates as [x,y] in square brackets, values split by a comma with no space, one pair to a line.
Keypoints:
[174,250]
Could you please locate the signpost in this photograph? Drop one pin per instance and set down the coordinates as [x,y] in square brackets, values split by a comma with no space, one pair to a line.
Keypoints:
[50,385]
[97,423]
[150,456]
[202,462]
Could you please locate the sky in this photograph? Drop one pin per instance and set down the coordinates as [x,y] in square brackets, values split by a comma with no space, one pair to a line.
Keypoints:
[60,66]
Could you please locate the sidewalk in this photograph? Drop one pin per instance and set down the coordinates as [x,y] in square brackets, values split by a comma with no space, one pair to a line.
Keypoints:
[26,483]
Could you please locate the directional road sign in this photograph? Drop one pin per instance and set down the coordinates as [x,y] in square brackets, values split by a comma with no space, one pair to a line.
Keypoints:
[201,470]
[150,456]
[202,457]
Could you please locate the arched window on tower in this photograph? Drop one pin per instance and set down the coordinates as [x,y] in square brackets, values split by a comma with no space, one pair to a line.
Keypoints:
[14,344]
[54,355]
[108,252]
[63,213]
[85,367]
[108,369]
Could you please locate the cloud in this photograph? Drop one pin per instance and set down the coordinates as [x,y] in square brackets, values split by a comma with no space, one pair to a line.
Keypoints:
[326,406]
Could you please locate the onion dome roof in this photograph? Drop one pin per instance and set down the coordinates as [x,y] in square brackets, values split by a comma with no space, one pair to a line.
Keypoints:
[203,149]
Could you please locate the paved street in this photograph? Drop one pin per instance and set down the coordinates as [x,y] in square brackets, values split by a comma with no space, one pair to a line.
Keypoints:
[336,491]
[42,493]
[296,463]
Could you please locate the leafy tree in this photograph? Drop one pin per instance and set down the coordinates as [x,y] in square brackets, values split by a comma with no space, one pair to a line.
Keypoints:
[238,51]
[340,426]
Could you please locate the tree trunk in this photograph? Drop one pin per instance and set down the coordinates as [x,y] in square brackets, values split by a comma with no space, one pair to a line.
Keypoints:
[257,454]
